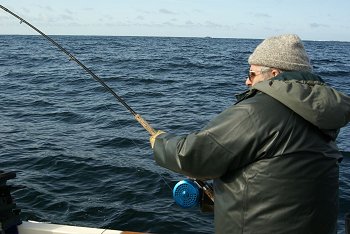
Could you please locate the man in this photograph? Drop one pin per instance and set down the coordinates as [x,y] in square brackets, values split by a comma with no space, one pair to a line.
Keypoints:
[272,156]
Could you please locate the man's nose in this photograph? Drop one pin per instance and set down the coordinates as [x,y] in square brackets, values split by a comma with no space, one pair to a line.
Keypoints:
[248,82]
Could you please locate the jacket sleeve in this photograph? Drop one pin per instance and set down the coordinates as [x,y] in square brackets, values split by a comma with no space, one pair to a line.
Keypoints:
[225,144]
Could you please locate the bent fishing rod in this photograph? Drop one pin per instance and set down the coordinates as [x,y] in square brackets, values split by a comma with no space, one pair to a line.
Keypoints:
[138,117]
[206,189]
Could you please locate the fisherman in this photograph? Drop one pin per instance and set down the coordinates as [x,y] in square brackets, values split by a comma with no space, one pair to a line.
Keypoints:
[272,155]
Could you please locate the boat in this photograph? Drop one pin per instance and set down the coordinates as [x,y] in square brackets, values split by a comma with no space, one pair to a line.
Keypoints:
[32,227]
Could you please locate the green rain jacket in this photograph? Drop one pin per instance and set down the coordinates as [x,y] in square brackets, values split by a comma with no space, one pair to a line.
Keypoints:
[272,157]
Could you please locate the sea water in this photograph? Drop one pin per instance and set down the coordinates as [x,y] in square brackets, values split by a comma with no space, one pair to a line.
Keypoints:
[82,157]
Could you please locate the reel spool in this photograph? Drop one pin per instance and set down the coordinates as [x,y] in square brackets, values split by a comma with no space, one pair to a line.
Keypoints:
[187,193]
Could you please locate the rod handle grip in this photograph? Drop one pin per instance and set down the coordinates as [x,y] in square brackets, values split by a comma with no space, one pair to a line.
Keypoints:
[145,125]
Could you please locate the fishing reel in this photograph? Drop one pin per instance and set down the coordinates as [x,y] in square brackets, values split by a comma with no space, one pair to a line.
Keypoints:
[190,193]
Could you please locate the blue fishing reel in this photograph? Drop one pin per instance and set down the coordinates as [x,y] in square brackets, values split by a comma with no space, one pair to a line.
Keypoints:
[187,193]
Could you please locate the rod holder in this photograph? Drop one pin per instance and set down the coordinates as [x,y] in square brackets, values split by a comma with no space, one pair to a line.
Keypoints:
[9,213]
[347,223]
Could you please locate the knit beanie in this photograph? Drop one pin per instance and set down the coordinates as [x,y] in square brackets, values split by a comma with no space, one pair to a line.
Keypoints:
[285,52]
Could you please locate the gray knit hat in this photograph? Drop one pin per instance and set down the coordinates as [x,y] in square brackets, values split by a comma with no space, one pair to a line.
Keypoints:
[285,52]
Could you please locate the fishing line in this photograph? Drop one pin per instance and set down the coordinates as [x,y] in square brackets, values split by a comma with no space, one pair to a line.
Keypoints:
[94,76]
[206,189]
[138,117]
[143,122]
[135,144]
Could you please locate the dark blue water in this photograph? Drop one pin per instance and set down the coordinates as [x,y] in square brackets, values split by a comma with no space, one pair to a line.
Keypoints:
[82,157]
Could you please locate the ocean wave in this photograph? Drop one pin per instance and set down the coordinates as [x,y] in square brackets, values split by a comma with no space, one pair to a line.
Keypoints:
[82,157]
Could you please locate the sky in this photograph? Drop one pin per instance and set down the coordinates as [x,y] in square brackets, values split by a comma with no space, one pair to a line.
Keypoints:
[310,19]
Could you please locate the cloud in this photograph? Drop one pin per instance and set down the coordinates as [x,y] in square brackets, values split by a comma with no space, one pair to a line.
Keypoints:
[165,11]
[88,9]
[207,23]
[48,8]
[212,24]
[196,11]
[25,10]
[262,15]
[68,11]
[168,23]
[189,23]
[317,25]
[65,17]
[140,17]
[106,18]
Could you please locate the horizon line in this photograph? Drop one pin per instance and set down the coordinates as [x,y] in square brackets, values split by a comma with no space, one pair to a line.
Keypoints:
[154,36]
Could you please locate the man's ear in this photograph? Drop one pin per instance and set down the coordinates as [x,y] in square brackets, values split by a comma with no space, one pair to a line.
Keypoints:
[275,72]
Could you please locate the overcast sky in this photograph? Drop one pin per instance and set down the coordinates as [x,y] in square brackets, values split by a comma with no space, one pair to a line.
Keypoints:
[310,19]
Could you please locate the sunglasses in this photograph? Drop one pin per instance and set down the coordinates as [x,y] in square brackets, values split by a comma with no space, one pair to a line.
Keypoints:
[253,74]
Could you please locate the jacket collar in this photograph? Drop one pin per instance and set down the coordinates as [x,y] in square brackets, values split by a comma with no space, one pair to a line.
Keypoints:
[247,94]
[303,77]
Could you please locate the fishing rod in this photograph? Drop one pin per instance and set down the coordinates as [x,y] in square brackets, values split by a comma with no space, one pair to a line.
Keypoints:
[137,116]
[190,189]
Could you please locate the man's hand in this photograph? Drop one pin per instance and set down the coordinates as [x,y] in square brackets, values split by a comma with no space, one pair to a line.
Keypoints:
[152,139]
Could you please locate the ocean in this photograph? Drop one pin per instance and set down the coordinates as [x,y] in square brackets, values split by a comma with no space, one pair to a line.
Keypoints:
[81,157]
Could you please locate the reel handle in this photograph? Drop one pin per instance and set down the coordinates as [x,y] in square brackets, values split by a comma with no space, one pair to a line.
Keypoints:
[208,190]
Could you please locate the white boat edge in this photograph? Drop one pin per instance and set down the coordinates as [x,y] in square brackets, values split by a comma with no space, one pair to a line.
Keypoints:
[33,227]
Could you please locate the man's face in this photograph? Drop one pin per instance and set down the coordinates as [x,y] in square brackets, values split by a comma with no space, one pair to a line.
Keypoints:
[258,74]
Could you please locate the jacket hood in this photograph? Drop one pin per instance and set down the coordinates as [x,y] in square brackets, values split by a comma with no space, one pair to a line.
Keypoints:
[308,96]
